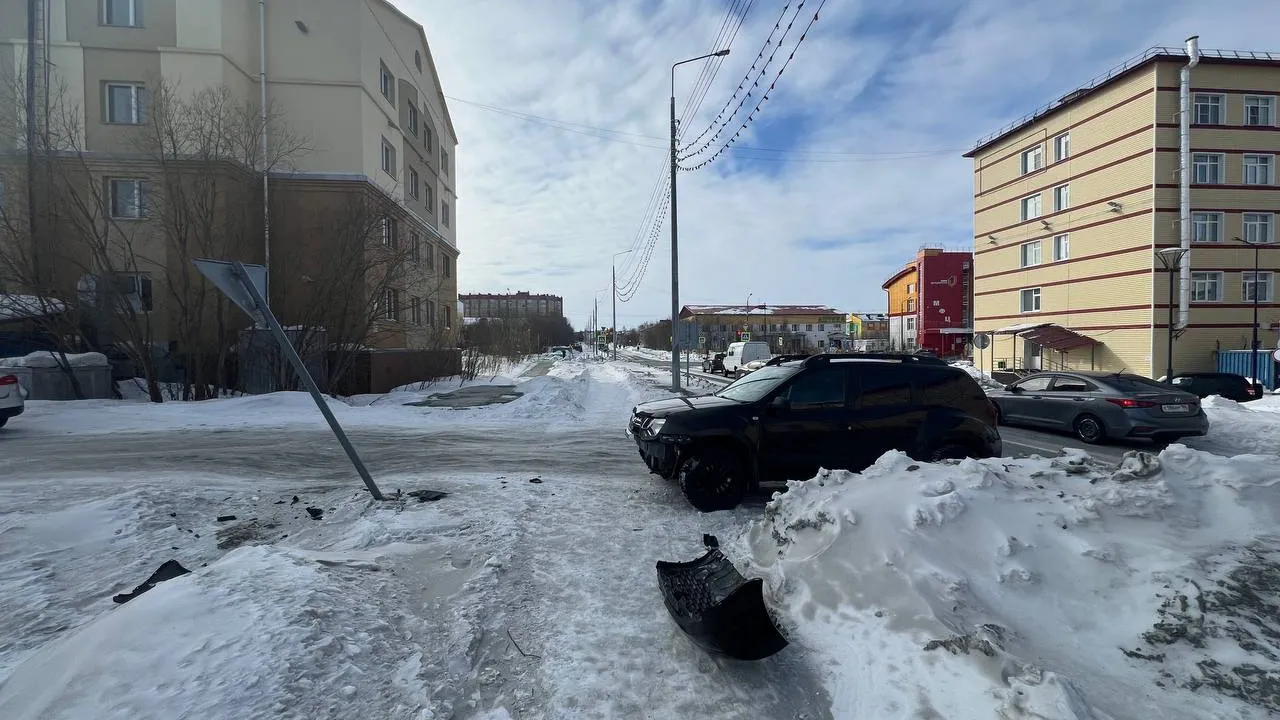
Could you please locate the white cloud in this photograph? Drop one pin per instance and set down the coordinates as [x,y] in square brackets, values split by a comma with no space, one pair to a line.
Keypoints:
[544,209]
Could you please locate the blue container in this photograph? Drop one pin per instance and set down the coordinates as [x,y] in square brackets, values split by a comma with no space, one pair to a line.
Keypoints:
[1240,362]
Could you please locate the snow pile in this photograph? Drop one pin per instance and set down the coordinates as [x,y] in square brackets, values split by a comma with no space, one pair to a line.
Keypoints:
[49,359]
[21,307]
[1033,588]
[1236,429]
[985,380]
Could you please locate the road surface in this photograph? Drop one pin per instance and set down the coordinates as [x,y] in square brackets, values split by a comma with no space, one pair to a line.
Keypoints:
[1018,442]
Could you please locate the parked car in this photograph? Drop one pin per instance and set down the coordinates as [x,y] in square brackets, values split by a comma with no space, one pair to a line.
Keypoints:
[12,398]
[791,418]
[752,366]
[713,363]
[741,353]
[1227,385]
[1097,406]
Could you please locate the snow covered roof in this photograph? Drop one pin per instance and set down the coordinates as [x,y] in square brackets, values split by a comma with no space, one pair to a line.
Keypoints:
[21,307]
[698,310]
[872,317]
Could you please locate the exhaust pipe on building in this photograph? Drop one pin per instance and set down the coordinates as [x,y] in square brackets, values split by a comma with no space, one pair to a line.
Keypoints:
[1185,227]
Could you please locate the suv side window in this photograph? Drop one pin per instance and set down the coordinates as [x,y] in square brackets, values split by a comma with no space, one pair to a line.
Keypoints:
[887,387]
[944,388]
[821,388]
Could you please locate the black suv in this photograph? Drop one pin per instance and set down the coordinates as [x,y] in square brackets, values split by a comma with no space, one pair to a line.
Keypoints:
[790,418]
[1228,385]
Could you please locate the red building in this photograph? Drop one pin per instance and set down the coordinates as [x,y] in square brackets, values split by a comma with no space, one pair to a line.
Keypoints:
[931,303]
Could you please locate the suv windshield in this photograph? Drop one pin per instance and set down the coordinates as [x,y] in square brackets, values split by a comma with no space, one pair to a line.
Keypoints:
[755,386]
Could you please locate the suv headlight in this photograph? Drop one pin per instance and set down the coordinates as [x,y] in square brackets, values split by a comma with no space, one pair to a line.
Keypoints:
[655,426]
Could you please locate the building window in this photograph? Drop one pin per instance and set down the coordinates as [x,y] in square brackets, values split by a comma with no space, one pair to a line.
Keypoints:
[121,13]
[1206,286]
[808,327]
[446,265]
[1259,110]
[444,213]
[1206,227]
[413,185]
[911,288]
[1257,227]
[426,137]
[430,200]
[1030,300]
[430,256]
[444,161]
[417,60]
[389,304]
[1061,197]
[126,103]
[388,158]
[1033,159]
[415,310]
[1062,147]
[413,120]
[415,248]
[387,83]
[911,306]
[1061,247]
[1030,207]
[1258,169]
[1208,109]
[430,313]
[135,292]
[127,198]
[388,232]
[910,323]
[822,327]
[446,315]
[1263,286]
[1207,168]
[1031,254]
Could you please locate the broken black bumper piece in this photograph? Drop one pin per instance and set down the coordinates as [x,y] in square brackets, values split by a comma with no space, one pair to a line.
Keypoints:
[720,610]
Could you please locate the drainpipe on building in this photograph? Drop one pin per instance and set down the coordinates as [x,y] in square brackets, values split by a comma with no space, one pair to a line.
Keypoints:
[266,166]
[1184,181]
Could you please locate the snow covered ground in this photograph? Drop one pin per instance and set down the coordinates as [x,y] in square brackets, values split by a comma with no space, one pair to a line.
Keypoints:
[529,590]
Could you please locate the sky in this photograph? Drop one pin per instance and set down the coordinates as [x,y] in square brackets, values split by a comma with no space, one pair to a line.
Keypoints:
[851,164]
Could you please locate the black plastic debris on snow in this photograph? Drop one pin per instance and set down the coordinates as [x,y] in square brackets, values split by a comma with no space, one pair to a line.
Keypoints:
[427,495]
[168,571]
[315,512]
[536,481]
[226,518]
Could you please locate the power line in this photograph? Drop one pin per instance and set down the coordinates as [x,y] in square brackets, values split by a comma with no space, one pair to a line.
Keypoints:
[765,96]
[747,75]
[723,41]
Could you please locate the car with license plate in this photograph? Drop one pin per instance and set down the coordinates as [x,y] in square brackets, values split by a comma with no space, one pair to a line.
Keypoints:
[794,417]
[1098,406]
[12,398]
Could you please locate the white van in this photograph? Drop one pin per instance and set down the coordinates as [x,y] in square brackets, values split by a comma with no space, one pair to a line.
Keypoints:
[741,353]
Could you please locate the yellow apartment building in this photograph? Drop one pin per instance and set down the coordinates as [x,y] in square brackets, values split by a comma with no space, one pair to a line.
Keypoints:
[1072,203]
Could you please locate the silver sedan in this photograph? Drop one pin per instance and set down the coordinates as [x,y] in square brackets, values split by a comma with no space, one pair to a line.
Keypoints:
[1097,406]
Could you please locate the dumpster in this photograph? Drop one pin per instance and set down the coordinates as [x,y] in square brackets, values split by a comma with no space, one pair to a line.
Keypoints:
[1241,362]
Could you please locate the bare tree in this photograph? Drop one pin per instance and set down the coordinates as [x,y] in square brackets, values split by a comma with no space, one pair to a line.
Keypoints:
[205,146]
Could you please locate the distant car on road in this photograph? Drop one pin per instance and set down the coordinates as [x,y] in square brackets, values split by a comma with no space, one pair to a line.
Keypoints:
[791,418]
[713,363]
[1100,406]
[1227,385]
[12,398]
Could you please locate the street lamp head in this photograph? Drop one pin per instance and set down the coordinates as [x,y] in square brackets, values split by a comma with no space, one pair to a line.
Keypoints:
[1171,257]
[721,53]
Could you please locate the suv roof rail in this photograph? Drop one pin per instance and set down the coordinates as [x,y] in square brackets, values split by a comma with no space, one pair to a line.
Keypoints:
[786,358]
[899,357]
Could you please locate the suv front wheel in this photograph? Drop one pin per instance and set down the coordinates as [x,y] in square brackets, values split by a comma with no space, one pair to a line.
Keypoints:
[714,479]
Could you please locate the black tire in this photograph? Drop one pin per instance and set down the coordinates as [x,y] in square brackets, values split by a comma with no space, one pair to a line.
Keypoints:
[948,452]
[714,479]
[1090,429]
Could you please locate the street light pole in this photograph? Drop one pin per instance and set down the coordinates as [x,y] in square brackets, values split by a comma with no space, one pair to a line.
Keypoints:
[675,253]
[615,300]
[1171,258]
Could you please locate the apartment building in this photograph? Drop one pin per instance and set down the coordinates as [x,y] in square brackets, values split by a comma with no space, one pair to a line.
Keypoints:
[354,82]
[1073,202]
[511,305]
[930,301]
[787,328]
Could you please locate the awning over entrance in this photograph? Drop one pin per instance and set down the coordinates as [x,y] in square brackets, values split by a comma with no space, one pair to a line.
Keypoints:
[1056,337]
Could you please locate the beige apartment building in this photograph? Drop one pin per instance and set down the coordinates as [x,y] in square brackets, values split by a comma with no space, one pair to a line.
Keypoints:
[354,79]
[1072,203]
